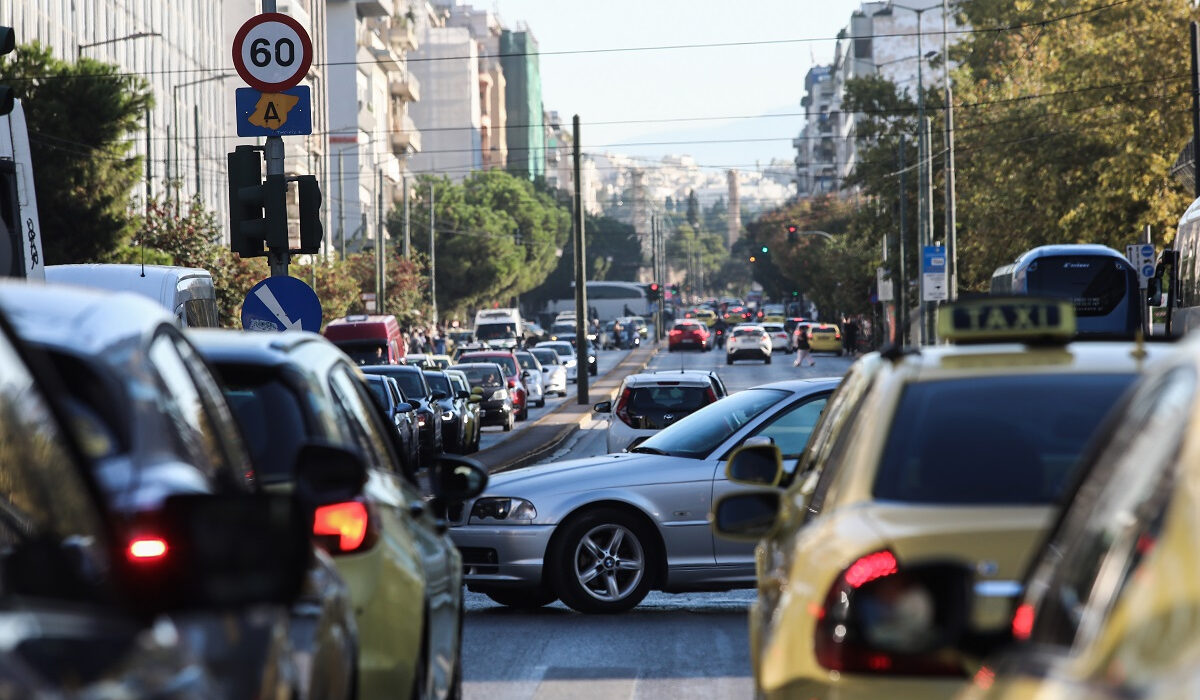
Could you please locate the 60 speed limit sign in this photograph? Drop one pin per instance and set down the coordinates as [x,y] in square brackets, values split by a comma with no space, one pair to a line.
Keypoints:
[272,52]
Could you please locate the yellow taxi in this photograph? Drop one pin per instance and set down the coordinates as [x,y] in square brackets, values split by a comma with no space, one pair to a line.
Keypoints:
[947,453]
[824,337]
[772,313]
[708,316]
[1111,605]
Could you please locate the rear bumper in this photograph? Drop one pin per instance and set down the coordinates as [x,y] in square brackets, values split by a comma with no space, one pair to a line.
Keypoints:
[494,412]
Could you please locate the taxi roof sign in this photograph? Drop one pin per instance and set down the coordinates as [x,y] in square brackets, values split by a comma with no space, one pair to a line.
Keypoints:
[1007,319]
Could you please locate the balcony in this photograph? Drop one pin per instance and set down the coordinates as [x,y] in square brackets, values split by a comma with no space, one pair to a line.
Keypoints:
[406,87]
[375,8]
[405,137]
[403,38]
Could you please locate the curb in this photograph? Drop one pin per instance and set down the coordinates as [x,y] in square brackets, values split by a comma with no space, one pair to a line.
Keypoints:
[558,433]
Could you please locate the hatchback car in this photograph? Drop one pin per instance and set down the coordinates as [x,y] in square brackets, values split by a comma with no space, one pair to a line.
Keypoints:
[553,369]
[823,337]
[780,341]
[429,414]
[532,377]
[600,533]
[454,411]
[399,412]
[747,341]
[689,335]
[487,381]
[650,401]
[472,417]
[566,353]
[404,573]
[512,376]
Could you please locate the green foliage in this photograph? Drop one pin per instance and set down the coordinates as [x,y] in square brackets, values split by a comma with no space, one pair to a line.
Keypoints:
[613,252]
[80,117]
[496,236]
[693,252]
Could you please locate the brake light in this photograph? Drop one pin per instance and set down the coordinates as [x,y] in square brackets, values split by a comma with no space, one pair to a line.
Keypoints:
[421,420]
[837,335]
[676,331]
[512,383]
[838,644]
[146,549]
[710,396]
[1022,622]
[622,409]
[343,527]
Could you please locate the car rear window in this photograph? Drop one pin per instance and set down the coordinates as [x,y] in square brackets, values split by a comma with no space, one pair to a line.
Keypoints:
[527,361]
[506,362]
[746,331]
[438,382]
[992,440]
[546,357]
[669,399]
[273,426]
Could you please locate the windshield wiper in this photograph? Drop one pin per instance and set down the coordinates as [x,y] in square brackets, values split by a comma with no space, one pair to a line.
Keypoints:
[642,449]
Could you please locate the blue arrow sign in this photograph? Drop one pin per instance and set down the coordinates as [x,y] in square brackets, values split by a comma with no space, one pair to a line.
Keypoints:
[281,304]
[287,113]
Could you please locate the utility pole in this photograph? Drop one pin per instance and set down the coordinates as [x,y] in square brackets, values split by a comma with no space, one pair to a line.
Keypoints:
[927,306]
[149,164]
[196,143]
[278,258]
[902,290]
[380,260]
[581,317]
[654,268]
[432,261]
[1195,109]
[407,235]
[341,208]
[951,198]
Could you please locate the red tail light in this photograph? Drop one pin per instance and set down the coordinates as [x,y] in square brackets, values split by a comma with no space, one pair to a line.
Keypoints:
[1022,622]
[838,644]
[676,331]
[710,396]
[146,549]
[344,527]
[622,409]
[512,383]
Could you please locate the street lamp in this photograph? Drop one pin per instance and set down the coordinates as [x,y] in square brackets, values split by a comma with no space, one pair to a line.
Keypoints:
[138,35]
[178,129]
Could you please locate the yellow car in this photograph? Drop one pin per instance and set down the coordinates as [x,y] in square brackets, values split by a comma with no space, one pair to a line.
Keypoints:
[1110,608]
[708,316]
[947,453]
[824,337]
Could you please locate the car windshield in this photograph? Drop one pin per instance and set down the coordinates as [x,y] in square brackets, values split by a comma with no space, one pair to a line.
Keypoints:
[563,350]
[992,440]
[562,328]
[409,380]
[379,390]
[438,382]
[364,352]
[496,331]
[546,357]
[700,433]
[482,376]
[506,362]
[527,361]
[746,331]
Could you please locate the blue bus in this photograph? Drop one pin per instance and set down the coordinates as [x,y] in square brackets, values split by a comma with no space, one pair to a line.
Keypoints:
[1099,281]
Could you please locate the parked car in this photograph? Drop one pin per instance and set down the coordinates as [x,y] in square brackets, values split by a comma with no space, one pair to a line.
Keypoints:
[487,382]
[154,421]
[512,376]
[368,340]
[416,390]
[472,417]
[525,540]
[747,341]
[533,377]
[453,411]
[89,612]
[689,335]
[554,369]
[404,573]
[400,413]
[650,401]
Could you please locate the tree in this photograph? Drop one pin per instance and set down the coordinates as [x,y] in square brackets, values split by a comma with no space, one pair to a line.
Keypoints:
[693,209]
[614,252]
[80,116]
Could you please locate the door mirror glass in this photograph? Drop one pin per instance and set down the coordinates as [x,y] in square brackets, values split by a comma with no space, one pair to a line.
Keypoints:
[756,463]
[746,516]
[478,390]
[414,403]
[328,474]
[463,395]
[458,479]
[475,398]
[403,408]
[603,407]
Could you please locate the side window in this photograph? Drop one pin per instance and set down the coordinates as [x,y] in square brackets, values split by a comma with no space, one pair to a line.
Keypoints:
[216,407]
[42,494]
[1115,516]
[792,427]
[359,420]
[192,431]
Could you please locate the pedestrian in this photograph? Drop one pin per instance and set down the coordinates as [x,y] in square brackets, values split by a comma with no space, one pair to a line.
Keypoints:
[439,342]
[850,333]
[802,348]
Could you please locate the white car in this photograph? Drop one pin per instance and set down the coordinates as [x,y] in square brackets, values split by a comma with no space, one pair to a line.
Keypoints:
[779,337]
[566,353]
[532,377]
[554,370]
[748,341]
[650,401]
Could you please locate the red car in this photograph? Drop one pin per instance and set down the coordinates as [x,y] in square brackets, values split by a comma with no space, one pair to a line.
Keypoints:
[689,334]
[512,374]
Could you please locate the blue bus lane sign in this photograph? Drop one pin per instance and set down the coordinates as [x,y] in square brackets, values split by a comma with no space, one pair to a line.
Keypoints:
[281,304]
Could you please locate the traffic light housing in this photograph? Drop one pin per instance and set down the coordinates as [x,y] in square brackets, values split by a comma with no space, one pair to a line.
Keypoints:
[654,292]
[257,209]
[8,44]
[793,233]
[764,249]
[311,232]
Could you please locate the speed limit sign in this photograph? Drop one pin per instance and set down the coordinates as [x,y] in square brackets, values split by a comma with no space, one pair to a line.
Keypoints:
[272,52]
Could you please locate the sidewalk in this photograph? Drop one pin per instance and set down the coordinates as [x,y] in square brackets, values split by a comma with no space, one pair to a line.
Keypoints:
[542,437]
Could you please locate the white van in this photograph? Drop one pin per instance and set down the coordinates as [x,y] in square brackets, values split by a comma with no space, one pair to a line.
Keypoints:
[187,292]
[499,328]
[20,230]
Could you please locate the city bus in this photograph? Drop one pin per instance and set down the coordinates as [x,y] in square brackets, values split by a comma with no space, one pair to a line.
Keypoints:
[1099,281]
[609,300]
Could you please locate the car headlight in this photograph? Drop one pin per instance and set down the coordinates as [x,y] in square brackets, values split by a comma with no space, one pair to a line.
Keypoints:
[591,360]
[512,510]
[500,394]
[447,415]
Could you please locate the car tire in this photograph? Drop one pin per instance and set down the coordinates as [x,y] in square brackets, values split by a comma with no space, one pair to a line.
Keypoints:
[541,402]
[728,360]
[614,549]
[522,598]
[524,414]
[594,370]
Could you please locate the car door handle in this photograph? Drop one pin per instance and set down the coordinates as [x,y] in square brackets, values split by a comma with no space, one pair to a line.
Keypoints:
[416,509]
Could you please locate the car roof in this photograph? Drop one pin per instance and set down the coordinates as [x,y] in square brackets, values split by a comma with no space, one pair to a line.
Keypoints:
[935,362]
[392,369]
[267,349]
[472,365]
[79,319]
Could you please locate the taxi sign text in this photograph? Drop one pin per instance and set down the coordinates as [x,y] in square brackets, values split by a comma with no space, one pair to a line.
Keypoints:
[1006,320]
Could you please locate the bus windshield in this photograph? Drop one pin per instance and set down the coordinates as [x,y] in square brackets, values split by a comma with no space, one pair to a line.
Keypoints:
[1096,285]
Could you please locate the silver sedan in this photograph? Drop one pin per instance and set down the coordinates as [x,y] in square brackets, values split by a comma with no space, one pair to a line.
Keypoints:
[601,533]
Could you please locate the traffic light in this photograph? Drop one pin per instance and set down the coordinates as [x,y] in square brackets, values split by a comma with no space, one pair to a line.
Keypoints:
[655,292]
[764,249]
[257,209]
[753,259]
[8,43]
[311,232]
[793,233]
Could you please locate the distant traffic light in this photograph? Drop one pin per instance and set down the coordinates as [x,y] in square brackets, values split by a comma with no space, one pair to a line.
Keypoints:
[793,233]
[311,232]
[654,293]
[8,43]
[764,249]
[753,259]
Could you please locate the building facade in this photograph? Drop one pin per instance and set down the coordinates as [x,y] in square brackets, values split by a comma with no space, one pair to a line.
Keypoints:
[523,101]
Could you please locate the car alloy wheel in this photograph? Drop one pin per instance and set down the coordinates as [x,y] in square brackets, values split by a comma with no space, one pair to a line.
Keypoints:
[600,563]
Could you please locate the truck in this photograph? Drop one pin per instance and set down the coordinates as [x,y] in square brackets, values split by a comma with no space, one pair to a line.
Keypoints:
[499,328]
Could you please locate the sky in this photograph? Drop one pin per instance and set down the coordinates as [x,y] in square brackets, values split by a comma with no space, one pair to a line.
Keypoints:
[693,82]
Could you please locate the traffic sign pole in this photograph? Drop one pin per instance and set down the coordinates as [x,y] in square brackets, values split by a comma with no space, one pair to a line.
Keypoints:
[277,258]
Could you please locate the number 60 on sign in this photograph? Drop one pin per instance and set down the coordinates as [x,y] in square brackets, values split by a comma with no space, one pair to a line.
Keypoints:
[272,52]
